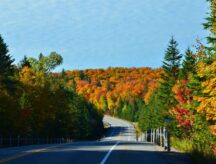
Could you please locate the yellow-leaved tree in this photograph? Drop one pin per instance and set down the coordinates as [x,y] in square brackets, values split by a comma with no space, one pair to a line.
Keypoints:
[208,98]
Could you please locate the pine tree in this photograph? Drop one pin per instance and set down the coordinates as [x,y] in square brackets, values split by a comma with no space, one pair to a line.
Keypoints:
[120,104]
[171,66]
[188,65]
[211,25]
[172,60]
[24,63]
[6,67]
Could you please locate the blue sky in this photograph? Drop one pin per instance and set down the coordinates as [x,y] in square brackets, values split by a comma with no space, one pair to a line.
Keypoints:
[101,33]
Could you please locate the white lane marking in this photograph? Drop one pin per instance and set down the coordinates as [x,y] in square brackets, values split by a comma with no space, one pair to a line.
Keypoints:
[109,152]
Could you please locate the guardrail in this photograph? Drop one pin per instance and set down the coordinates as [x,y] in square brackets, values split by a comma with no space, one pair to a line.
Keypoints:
[22,141]
[158,136]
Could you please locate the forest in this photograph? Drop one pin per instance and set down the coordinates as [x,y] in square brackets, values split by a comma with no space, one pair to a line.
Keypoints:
[35,101]
[120,92]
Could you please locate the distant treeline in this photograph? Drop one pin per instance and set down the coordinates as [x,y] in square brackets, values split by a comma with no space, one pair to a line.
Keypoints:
[121,92]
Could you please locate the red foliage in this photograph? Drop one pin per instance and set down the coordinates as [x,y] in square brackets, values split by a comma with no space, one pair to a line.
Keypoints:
[183,117]
[127,83]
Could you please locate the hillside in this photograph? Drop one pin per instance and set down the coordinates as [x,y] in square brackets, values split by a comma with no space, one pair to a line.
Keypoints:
[110,89]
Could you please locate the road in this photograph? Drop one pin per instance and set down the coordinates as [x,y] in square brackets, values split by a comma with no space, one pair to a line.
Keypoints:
[119,145]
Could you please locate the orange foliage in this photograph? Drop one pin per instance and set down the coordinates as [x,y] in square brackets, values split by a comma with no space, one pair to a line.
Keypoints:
[127,83]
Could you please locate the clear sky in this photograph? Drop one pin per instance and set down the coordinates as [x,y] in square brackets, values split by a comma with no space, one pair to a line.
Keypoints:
[101,33]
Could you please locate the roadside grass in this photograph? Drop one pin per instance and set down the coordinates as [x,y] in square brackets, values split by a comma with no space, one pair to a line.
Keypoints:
[137,129]
[182,144]
[197,156]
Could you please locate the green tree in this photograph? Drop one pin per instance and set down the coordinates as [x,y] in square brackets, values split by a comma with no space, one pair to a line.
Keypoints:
[211,25]
[6,67]
[188,65]
[24,63]
[103,102]
[46,63]
[138,106]
[151,115]
[120,104]
[171,66]
[172,60]
[127,111]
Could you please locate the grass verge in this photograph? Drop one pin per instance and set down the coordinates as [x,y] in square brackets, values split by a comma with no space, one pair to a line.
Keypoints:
[198,157]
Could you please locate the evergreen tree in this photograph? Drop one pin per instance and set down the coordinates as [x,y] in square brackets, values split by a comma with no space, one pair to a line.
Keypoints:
[120,104]
[6,67]
[211,25]
[171,65]
[104,104]
[63,73]
[24,63]
[172,60]
[151,116]
[188,65]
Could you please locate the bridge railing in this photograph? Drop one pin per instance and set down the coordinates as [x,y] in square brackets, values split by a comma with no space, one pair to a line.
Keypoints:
[158,136]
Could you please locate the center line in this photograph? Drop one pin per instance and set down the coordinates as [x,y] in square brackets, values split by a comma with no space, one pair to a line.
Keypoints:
[109,152]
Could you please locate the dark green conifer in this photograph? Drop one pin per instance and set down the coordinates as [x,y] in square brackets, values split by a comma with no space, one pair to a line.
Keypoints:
[6,67]
[188,65]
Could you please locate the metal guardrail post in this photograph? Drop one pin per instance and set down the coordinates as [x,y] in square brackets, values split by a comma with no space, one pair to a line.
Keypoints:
[160,134]
[164,138]
[168,141]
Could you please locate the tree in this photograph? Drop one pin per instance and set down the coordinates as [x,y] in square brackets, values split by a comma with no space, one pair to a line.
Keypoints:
[171,65]
[103,101]
[127,112]
[24,63]
[119,107]
[211,25]
[151,115]
[6,67]
[207,98]
[172,60]
[188,65]
[46,63]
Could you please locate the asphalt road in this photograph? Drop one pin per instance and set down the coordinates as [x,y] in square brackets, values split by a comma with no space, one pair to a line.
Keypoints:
[119,145]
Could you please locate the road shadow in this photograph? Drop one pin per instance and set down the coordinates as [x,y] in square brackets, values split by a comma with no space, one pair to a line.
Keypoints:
[116,130]
[94,152]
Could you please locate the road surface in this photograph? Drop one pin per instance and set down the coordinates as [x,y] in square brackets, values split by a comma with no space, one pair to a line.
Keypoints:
[119,145]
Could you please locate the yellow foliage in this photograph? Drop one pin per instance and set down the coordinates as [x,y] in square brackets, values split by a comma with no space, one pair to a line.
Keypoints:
[213,129]
[208,100]
[27,76]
